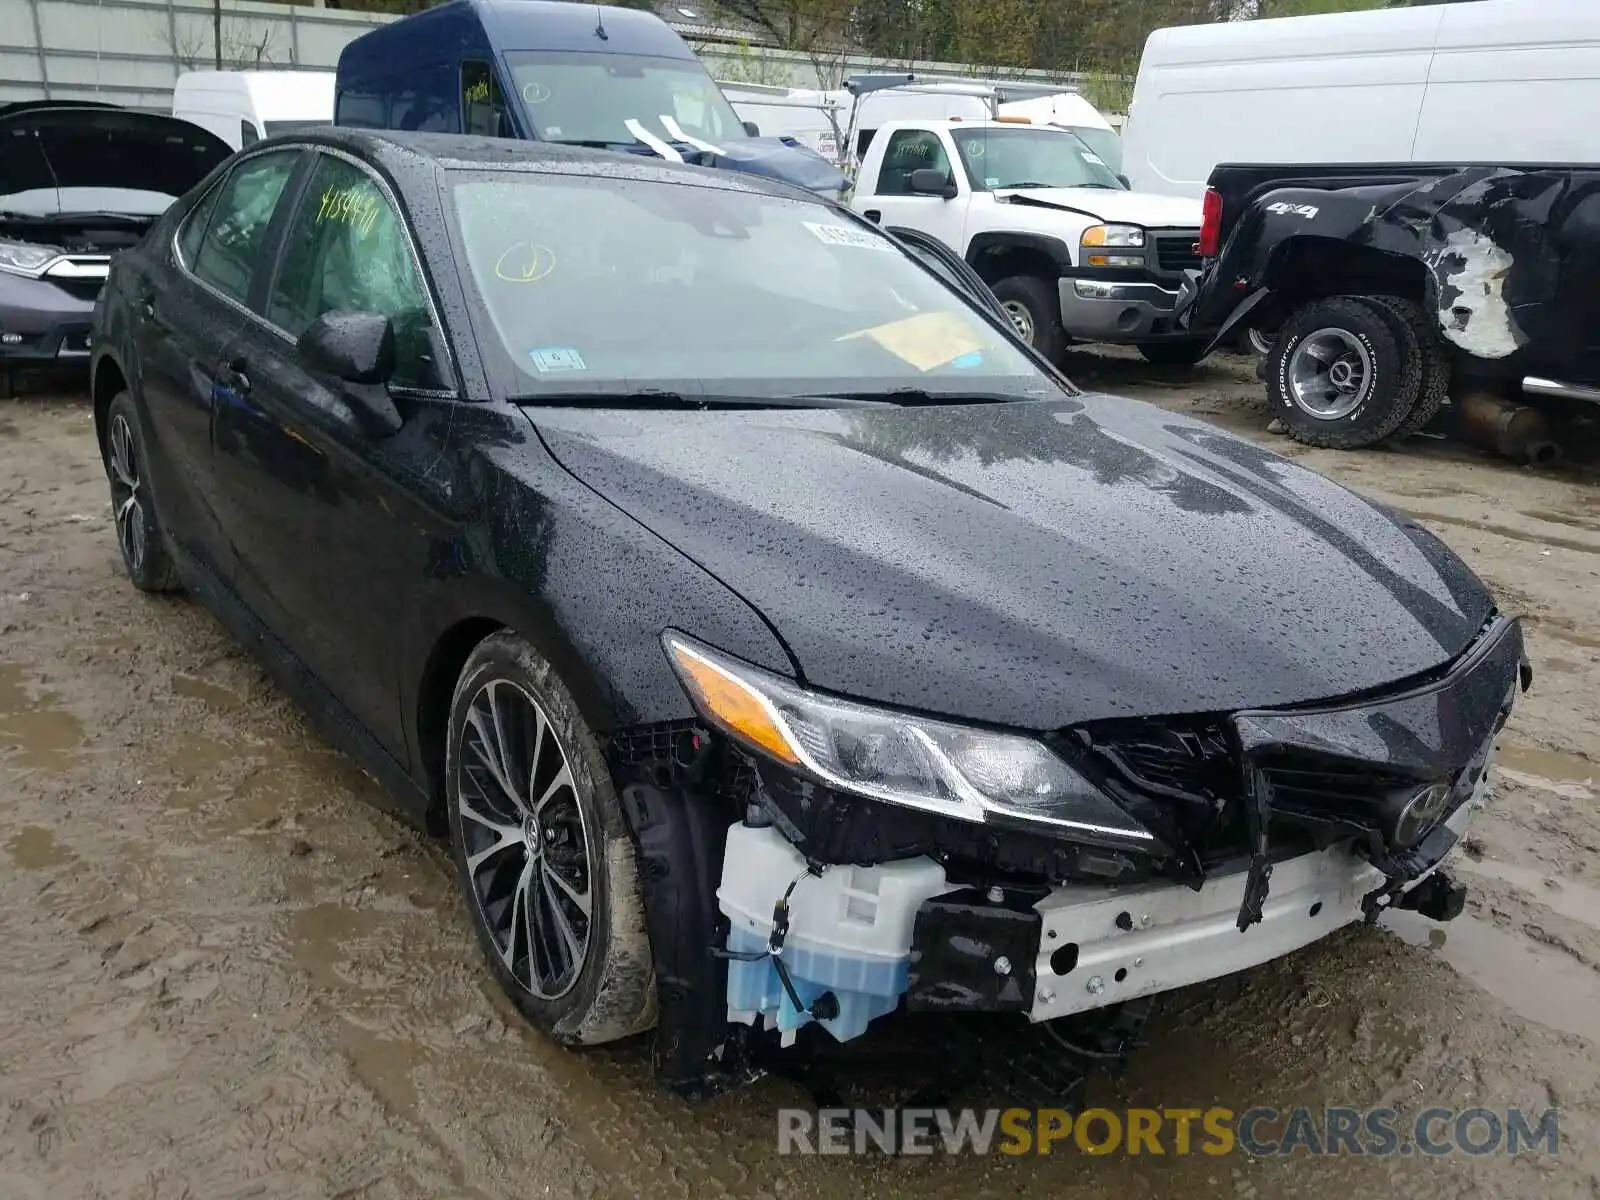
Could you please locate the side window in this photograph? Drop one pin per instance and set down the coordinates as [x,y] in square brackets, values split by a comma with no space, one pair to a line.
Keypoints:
[910,150]
[482,110]
[347,250]
[362,109]
[231,247]
[247,134]
[194,226]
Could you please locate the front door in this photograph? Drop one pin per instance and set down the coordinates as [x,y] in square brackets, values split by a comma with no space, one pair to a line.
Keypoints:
[192,310]
[895,204]
[331,546]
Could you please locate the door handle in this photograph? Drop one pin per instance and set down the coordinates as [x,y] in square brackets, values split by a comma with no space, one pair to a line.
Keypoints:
[873,215]
[234,376]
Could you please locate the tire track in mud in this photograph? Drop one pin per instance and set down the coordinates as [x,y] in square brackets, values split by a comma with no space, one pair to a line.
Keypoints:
[226,973]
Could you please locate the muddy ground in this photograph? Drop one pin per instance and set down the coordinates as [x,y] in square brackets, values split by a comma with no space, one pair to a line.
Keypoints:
[224,972]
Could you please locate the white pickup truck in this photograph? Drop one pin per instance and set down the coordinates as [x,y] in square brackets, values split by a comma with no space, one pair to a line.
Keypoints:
[1070,252]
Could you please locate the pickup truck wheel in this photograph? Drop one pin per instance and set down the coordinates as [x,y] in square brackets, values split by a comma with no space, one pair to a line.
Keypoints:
[1434,390]
[1034,309]
[1174,354]
[1343,373]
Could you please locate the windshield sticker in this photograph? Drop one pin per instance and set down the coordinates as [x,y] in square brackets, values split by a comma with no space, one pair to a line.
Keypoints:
[535,92]
[557,358]
[926,341]
[1090,156]
[525,262]
[355,206]
[973,358]
[843,235]
[991,181]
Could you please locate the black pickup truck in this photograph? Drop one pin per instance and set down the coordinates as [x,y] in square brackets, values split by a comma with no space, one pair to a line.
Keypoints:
[1377,285]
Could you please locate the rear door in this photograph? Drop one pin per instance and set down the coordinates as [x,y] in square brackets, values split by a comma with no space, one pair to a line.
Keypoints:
[190,310]
[332,541]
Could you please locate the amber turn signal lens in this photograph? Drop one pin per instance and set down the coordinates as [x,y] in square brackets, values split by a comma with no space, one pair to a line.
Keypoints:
[731,704]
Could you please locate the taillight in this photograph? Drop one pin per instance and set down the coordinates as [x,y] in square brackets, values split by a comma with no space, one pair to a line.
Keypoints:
[1211,224]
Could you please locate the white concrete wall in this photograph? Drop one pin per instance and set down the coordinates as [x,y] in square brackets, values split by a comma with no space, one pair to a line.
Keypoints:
[131,51]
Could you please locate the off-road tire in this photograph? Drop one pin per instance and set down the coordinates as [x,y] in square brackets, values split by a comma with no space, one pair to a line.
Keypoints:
[1396,370]
[613,993]
[1433,393]
[1182,353]
[140,537]
[1042,301]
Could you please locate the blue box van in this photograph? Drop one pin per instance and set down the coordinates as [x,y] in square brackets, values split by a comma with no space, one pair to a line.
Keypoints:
[551,70]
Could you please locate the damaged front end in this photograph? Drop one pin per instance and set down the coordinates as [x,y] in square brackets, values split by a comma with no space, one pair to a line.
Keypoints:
[811,861]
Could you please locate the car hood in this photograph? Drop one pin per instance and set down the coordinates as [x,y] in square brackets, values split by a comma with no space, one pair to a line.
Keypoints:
[1132,208]
[1035,564]
[50,146]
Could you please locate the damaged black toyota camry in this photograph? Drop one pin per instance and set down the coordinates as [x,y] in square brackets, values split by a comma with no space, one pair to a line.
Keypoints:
[778,642]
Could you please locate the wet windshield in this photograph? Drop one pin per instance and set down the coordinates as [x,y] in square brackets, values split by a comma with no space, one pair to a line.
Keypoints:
[625,283]
[1029,156]
[583,97]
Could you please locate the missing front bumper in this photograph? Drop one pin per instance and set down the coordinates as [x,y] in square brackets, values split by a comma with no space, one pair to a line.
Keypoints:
[1100,946]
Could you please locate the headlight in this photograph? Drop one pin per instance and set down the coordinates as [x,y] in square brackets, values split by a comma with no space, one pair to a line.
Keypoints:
[1112,235]
[954,770]
[25,258]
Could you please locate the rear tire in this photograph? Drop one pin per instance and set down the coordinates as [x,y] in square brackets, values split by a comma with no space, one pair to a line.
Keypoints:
[1185,353]
[139,535]
[542,852]
[1433,392]
[1034,306]
[1344,373]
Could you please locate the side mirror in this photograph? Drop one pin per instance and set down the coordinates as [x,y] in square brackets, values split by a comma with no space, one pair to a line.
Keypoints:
[357,349]
[752,129]
[929,181]
[1125,182]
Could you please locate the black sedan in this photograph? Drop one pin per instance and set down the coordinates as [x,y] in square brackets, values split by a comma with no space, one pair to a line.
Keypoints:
[777,641]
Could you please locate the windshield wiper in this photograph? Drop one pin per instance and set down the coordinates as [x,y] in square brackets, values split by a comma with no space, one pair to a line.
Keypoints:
[660,398]
[600,143]
[63,218]
[908,395]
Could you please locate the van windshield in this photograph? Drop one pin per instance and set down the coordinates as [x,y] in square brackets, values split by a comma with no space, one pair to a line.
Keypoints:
[621,284]
[1020,156]
[579,96]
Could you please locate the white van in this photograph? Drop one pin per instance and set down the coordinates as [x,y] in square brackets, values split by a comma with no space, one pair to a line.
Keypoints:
[242,107]
[814,118]
[1491,80]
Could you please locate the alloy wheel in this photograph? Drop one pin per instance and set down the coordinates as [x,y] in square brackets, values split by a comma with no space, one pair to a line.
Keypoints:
[525,841]
[127,498]
[1330,374]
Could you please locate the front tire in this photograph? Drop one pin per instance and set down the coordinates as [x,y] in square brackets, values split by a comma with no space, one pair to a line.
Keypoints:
[1342,373]
[1034,306]
[139,536]
[542,853]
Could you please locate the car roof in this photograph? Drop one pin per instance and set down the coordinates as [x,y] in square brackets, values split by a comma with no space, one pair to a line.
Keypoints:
[403,152]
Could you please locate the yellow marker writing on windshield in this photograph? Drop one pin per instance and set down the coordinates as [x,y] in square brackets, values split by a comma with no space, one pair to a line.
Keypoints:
[525,262]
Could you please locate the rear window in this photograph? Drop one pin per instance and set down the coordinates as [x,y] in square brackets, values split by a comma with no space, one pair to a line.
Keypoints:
[588,281]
